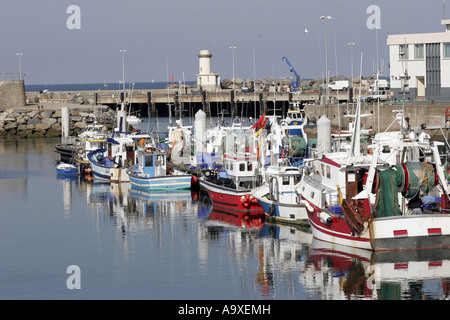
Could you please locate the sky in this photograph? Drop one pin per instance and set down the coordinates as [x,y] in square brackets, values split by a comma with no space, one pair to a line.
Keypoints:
[163,38]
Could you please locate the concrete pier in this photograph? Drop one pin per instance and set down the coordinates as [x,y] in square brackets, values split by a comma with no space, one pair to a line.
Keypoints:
[252,104]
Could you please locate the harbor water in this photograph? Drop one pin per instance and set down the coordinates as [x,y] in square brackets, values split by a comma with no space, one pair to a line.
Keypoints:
[125,244]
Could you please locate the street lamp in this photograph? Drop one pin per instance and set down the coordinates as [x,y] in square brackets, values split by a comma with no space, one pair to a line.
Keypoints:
[122,51]
[20,54]
[326,18]
[351,44]
[232,53]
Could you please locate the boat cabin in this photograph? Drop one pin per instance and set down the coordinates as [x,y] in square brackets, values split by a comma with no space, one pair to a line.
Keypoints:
[281,180]
[331,180]
[152,164]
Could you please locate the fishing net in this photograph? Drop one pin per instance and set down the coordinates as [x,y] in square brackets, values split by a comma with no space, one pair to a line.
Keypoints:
[297,146]
[387,200]
[420,177]
[411,179]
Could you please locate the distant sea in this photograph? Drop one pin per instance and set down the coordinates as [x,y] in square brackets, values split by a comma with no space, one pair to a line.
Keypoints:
[97,86]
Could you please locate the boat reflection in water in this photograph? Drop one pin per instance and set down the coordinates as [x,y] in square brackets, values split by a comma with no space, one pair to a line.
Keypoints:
[181,236]
[340,272]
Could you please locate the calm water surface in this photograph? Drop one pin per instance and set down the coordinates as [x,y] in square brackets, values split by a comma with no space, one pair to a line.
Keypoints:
[130,245]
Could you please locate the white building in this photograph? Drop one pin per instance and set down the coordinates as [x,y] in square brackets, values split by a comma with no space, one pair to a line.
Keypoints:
[420,65]
[205,78]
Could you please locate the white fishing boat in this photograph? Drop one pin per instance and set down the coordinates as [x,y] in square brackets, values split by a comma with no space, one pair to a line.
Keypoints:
[117,153]
[278,197]
[133,119]
[372,193]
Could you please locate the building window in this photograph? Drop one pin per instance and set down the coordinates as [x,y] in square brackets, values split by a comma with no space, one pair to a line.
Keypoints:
[418,51]
[403,52]
[447,50]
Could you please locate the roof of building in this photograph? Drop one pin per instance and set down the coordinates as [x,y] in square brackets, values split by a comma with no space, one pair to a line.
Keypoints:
[421,38]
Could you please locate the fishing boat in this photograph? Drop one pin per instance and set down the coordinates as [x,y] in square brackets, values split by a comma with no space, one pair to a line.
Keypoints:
[364,201]
[150,172]
[75,149]
[66,169]
[133,119]
[229,188]
[347,134]
[278,197]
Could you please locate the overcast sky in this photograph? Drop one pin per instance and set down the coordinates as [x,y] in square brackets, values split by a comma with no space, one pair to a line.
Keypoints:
[173,31]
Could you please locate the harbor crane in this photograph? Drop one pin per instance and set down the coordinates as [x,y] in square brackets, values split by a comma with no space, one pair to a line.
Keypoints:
[295,83]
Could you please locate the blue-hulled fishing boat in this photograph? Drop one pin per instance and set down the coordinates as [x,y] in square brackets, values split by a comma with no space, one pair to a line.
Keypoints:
[151,172]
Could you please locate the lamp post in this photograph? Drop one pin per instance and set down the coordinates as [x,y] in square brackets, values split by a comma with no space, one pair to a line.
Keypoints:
[122,51]
[232,54]
[326,18]
[351,44]
[20,54]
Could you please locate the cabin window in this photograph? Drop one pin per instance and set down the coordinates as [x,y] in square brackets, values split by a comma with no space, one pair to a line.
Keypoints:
[148,161]
[312,195]
[351,177]
[249,166]
[242,167]
[328,172]
[286,181]
[322,166]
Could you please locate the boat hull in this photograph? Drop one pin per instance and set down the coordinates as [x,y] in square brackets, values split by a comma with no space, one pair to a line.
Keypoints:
[99,171]
[286,210]
[285,213]
[66,169]
[423,231]
[175,182]
[231,201]
[406,232]
[119,175]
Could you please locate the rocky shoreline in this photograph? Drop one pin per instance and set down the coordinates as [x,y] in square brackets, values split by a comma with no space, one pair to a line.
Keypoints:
[42,122]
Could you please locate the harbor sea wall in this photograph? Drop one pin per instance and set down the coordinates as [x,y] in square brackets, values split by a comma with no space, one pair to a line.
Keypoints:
[40,122]
[430,116]
[12,93]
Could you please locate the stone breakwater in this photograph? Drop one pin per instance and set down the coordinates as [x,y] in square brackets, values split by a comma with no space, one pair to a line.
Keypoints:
[44,123]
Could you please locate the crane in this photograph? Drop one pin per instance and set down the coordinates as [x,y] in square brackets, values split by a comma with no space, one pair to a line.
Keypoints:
[295,83]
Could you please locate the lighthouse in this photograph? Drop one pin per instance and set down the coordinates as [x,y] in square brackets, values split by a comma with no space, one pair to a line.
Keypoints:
[206,80]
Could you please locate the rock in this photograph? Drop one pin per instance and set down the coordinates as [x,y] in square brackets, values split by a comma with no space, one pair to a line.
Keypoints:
[49,121]
[41,127]
[80,125]
[20,120]
[57,114]
[56,127]
[46,114]
[34,121]
[33,113]
[11,125]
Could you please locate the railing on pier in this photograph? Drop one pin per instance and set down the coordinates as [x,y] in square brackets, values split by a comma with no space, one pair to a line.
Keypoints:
[11,76]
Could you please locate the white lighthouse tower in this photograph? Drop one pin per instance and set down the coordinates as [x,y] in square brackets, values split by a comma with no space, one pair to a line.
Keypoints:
[206,80]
